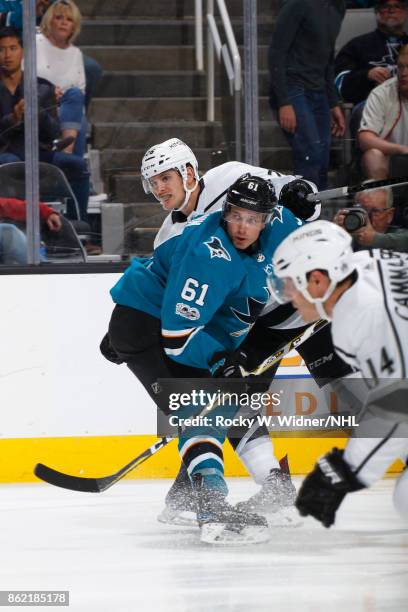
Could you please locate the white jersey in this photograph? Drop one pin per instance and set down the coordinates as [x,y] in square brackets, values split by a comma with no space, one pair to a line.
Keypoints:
[214,186]
[370,332]
[370,320]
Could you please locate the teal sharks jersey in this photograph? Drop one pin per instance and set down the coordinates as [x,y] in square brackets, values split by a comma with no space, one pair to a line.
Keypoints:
[206,292]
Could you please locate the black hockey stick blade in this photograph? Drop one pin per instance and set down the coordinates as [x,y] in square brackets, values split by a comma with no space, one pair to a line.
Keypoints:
[95,485]
[341,192]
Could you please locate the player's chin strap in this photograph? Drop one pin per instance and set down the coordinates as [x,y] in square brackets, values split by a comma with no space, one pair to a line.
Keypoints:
[319,302]
[188,193]
[321,311]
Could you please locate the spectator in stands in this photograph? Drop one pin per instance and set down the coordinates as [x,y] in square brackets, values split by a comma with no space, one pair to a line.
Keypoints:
[378,231]
[13,243]
[370,59]
[14,209]
[302,82]
[12,120]
[14,18]
[11,12]
[61,63]
[384,125]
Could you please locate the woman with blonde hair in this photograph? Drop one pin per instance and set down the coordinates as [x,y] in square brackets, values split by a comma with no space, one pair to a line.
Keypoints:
[61,62]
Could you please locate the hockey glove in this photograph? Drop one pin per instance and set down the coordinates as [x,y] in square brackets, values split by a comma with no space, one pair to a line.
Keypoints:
[228,365]
[108,351]
[326,486]
[293,196]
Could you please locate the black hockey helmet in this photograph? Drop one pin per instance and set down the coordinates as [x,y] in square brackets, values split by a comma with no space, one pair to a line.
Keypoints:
[253,193]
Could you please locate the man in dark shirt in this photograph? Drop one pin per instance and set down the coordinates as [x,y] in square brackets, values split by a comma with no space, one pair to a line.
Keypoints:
[370,59]
[12,120]
[302,82]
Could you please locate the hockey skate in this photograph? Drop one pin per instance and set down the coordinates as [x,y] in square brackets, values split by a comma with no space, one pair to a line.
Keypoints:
[180,508]
[221,523]
[277,493]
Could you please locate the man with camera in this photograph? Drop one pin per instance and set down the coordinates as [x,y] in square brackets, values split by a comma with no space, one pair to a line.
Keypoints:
[370,222]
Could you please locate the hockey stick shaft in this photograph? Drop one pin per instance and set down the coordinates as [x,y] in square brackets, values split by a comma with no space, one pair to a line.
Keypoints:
[273,359]
[98,485]
[341,192]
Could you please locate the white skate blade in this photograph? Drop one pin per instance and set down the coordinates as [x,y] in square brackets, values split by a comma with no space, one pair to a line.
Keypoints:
[221,534]
[181,518]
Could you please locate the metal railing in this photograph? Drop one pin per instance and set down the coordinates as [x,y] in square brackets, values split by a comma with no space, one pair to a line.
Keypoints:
[228,53]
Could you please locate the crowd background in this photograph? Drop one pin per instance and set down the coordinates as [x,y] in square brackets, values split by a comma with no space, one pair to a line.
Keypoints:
[352,97]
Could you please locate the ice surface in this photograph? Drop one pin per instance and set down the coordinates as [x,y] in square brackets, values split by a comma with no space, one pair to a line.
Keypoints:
[112,555]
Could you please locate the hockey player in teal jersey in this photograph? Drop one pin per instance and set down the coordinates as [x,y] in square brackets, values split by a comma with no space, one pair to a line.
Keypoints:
[211,276]
[207,286]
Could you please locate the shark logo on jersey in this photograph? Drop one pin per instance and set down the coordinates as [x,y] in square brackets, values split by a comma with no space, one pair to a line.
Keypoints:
[188,312]
[217,249]
[254,307]
[277,214]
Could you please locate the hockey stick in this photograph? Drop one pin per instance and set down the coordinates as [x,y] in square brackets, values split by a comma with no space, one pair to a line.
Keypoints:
[98,485]
[341,192]
[289,346]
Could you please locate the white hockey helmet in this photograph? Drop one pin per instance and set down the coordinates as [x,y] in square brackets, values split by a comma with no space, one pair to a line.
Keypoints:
[319,245]
[172,154]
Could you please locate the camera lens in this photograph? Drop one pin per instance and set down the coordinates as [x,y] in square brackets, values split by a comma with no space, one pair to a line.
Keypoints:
[354,220]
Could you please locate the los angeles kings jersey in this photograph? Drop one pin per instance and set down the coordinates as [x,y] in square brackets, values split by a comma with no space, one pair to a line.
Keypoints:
[205,291]
[213,189]
[370,320]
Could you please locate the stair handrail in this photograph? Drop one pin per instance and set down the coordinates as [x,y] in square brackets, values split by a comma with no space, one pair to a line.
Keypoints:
[199,47]
[228,53]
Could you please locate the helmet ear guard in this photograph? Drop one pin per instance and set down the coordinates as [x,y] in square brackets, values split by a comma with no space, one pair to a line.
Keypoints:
[252,193]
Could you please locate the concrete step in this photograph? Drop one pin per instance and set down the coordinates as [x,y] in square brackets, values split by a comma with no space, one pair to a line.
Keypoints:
[166,84]
[195,133]
[155,32]
[129,160]
[136,57]
[141,8]
[160,109]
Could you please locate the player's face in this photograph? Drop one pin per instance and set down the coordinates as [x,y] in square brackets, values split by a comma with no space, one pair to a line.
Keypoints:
[168,188]
[306,309]
[243,226]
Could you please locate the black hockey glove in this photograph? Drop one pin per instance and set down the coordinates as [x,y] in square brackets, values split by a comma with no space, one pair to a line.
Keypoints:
[108,351]
[326,486]
[293,196]
[227,365]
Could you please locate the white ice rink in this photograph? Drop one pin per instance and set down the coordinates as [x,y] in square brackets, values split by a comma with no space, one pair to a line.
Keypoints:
[112,555]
